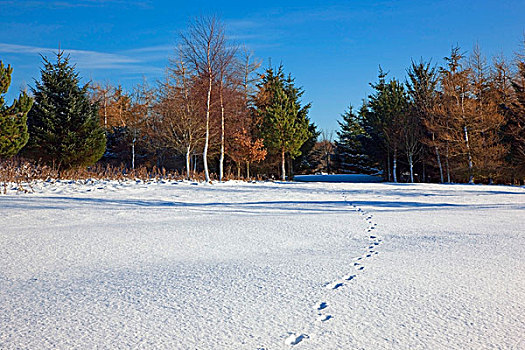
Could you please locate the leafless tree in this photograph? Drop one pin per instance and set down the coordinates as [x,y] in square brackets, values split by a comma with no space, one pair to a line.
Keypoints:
[228,78]
[176,113]
[204,48]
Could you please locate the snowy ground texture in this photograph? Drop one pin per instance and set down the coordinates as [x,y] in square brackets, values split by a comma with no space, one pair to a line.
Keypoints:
[262,266]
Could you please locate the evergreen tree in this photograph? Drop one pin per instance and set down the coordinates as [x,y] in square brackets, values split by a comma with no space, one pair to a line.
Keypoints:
[372,142]
[63,124]
[350,156]
[304,161]
[284,122]
[422,89]
[387,109]
[13,119]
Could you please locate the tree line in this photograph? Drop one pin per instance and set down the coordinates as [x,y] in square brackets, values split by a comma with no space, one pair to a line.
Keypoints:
[215,113]
[463,121]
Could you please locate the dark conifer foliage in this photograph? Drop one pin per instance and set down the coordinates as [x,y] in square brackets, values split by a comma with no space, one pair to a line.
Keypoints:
[63,124]
[350,156]
[388,107]
[13,119]
[304,162]
[284,122]
[422,89]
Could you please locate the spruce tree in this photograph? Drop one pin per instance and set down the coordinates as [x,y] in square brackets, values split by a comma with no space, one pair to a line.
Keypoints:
[387,109]
[284,120]
[349,153]
[422,88]
[304,161]
[13,119]
[63,124]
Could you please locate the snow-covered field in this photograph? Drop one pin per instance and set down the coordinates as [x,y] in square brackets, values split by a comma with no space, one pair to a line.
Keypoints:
[262,266]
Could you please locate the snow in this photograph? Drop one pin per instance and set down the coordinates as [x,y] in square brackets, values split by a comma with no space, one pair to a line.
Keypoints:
[364,178]
[180,265]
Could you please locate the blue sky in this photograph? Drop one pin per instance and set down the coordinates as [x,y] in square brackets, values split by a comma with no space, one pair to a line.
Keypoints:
[333,48]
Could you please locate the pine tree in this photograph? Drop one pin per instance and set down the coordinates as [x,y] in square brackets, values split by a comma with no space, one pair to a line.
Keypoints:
[304,162]
[63,124]
[422,89]
[349,153]
[388,108]
[13,119]
[284,120]
[372,142]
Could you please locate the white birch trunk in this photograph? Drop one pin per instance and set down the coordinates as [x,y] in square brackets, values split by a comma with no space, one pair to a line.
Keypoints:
[221,159]
[469,156]
[207,138]
[411,165]
[394,168]
[283,167]
[188,166]
[438,158]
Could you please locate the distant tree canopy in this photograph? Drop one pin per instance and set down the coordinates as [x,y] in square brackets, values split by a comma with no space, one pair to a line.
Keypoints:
[13,119]
[463,121]
[214,115]
[63,124]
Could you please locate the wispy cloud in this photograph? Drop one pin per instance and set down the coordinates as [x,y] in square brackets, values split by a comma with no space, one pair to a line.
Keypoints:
[82,58]
[133,61]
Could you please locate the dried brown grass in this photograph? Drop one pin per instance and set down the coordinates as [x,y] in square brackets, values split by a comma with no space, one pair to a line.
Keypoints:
[23,173]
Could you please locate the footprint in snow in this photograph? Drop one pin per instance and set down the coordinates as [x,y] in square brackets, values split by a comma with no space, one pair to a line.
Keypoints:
[322,305]
[323,318]
[359,268]
[349,277]
[294,339]
[334,285]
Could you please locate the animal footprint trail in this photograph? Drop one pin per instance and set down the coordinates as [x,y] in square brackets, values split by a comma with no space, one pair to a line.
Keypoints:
[322,306]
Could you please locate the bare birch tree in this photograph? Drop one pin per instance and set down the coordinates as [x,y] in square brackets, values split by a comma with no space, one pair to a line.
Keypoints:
[227,78]
[203,49]
[177,122]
